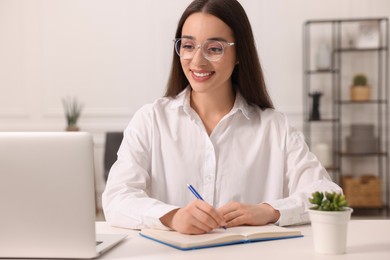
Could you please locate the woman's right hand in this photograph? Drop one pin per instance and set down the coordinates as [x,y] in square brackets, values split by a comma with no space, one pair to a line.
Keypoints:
[198,217]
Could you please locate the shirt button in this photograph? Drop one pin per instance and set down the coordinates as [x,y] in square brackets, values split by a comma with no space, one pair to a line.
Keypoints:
[208,178]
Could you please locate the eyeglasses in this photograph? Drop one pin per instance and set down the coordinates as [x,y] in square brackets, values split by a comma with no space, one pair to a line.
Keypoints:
[212,50]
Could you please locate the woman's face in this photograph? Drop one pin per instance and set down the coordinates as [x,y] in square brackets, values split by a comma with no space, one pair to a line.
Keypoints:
[204,75]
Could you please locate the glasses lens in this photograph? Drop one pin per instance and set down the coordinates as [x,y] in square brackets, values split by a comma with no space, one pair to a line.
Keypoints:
[213,50]
[185,48]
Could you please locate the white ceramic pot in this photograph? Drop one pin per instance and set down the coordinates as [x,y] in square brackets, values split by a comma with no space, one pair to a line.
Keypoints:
[324,57]
[330,230]
[323,153]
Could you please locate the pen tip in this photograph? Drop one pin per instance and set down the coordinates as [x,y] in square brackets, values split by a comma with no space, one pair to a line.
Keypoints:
[188,185]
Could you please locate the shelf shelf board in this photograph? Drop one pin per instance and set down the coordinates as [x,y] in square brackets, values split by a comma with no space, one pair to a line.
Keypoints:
[369,207]
[323,120]
[348,20]
[319,71]
[372,101]
[374,49]
[332,168]
[346,154]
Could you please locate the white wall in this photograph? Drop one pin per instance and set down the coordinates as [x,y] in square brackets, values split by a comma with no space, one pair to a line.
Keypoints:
[115,56]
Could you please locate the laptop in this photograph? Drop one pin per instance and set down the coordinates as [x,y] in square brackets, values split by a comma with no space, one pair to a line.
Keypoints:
[47,197]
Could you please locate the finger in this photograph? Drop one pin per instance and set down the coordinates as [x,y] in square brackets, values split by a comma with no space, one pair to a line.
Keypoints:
[197,231]
[191,229]
[200,227]
[230,207]
[206,216]
[211,216]
[197,227]
[231,210]
[232,215]
[239,221]
[185,222]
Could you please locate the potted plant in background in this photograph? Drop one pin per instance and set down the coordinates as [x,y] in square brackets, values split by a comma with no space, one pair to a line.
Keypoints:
[360,90]
[73,110]
[329,218]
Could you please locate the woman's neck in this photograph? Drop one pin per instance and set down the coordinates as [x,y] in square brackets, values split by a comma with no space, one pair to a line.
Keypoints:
[212,107]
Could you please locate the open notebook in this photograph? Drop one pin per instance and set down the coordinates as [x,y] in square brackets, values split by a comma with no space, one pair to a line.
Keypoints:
[220,237]
[47,197]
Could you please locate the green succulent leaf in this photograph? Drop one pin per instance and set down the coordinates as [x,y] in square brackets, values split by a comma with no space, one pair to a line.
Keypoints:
[328,201]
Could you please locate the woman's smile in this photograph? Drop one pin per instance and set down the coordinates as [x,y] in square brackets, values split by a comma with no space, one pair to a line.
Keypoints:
[201,75]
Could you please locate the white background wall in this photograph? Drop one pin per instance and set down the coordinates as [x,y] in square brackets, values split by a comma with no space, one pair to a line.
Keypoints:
[115,56]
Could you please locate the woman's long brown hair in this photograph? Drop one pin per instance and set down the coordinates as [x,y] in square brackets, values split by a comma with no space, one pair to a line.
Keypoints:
[247,76]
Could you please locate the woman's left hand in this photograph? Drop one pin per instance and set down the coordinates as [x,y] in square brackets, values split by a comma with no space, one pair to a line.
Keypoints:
[238,214]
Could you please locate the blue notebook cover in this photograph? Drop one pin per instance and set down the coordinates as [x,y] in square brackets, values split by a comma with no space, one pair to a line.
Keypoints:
[220,237]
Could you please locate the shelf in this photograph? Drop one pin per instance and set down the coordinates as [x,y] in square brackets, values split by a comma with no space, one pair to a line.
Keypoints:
[346,154]
[327,71]
[342,111]
[369,207]
[347,20]
[361,49]
[359,209]
[372,101]
[332,169]
[325,120]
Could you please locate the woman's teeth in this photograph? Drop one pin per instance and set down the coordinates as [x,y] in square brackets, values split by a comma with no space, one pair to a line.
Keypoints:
[202,74]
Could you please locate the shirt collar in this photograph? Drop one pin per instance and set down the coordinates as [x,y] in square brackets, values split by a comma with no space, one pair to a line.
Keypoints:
[183,100]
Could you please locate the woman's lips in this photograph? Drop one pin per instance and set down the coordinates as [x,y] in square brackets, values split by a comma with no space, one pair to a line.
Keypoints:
[201,75]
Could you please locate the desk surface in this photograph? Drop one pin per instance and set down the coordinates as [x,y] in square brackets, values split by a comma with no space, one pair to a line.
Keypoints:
[367,239]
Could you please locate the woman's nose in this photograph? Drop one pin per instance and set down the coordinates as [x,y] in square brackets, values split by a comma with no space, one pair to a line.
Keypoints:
[199,58]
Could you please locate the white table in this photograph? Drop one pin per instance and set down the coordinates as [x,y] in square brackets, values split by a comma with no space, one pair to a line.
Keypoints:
[367,240]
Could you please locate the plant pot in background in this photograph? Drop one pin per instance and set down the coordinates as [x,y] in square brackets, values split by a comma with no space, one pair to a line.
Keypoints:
[72,108]
[72,128]
[360,89]
[330,230]
[360,93]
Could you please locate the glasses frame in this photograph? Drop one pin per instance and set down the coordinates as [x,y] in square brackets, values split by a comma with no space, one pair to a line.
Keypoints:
[223,43]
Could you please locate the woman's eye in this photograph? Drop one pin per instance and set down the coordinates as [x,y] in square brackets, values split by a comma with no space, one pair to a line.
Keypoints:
[214,50]
[187,46]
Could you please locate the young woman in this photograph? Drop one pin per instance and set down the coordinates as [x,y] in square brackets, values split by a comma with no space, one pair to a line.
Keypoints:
[217,130]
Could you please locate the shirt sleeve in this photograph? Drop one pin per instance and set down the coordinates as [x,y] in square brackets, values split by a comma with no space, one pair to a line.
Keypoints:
[304,175]
[126,198]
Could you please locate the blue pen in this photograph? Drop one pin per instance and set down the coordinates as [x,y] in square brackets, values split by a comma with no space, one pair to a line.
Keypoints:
[197,195]
[192,189]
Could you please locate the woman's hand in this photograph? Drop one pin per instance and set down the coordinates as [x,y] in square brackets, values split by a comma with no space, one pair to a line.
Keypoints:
[198,217]
[238,214]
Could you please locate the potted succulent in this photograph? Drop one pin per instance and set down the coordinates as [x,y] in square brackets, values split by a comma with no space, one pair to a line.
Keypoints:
[329,218]
[360,90]
[73,110]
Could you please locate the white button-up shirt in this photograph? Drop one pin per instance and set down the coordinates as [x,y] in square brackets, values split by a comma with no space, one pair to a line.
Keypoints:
[252,156]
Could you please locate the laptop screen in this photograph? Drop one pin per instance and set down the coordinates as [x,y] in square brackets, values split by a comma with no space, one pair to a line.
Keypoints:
[47,196]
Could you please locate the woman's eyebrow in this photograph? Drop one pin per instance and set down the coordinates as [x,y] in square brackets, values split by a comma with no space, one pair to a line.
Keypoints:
[217,39]
[212,38]
[188,37]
